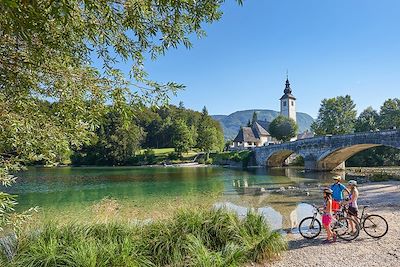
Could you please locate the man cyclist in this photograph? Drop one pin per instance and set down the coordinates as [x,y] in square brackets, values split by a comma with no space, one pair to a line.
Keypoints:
[337,195]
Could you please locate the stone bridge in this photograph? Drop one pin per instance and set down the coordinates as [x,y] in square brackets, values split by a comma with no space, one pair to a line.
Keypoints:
[326,153]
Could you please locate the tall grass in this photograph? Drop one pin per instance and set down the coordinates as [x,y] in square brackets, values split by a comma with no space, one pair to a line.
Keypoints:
[190,238]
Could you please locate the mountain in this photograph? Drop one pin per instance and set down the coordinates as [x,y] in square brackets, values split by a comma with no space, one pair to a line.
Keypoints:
[232,123]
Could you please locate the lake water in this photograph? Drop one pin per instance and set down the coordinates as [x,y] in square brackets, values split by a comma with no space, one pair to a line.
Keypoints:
[150,192]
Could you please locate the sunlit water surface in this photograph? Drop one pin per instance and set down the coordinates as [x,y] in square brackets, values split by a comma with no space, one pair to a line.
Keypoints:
[277,194]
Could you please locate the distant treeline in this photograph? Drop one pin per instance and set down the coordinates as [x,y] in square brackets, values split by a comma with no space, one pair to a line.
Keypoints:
[122,135]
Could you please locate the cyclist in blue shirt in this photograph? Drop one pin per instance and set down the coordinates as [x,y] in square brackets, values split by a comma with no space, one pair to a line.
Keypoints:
[337,194]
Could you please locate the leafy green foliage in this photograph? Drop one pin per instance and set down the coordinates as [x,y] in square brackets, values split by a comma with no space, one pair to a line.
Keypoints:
[190,238]
[116,141]
[368,120]
[182,137]
[375,157]
[390,114]
[210,135]
[51,97]
[335,116]
[283,128]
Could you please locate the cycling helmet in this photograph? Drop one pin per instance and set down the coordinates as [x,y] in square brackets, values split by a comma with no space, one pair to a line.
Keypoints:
[328,191]
[352,182]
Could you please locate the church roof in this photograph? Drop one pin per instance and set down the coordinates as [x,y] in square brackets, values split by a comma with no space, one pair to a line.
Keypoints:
[259,130]
[251,134]
[288,91]
[265,125]
[246,134]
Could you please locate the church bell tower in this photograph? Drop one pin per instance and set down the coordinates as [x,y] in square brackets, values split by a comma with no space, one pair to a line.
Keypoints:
[288,102]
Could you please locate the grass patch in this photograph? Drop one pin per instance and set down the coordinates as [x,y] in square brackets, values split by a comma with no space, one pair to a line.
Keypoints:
[190,238]
[166,151]
[162,155]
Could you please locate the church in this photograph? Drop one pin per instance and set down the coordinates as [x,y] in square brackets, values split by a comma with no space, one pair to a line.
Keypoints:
[257,134]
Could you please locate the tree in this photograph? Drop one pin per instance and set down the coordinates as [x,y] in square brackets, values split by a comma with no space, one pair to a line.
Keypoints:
[182,137]
[116,143]
[390,114]
[210,134]
[283,128]
[254,119]
[46,49]
[335,116]
[367,121]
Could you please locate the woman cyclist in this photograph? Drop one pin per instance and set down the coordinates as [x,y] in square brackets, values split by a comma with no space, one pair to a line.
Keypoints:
[353,206]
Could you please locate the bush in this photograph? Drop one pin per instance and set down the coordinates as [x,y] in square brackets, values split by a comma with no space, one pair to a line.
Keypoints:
[150,156]
[201,161]
[173,156]
[190,238]
[236,157]
[209,161]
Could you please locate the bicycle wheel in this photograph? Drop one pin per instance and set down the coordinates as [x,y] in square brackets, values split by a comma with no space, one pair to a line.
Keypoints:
[342,227]
[310,227]
[375,226]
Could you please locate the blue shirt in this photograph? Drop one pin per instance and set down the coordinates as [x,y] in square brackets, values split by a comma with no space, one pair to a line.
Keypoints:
[338,191]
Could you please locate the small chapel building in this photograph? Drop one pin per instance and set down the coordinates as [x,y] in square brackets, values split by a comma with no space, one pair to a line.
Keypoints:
[257,134]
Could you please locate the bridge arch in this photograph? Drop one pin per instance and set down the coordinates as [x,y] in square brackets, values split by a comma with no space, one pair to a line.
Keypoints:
[277,159]
[335,158]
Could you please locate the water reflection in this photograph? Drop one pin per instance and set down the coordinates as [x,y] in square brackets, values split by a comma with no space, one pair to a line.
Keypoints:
[271,216]
[274,218]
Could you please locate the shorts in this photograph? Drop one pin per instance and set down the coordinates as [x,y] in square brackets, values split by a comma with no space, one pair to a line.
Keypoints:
[335,205]
[353,211]
[326,219]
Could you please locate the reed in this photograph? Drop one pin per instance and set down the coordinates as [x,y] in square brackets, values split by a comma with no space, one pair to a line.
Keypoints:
[189,238]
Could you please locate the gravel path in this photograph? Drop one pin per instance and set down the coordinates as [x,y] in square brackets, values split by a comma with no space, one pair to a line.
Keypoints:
[384,199]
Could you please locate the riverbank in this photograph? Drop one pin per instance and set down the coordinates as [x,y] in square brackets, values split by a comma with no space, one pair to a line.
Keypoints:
[374,174]
[384,199]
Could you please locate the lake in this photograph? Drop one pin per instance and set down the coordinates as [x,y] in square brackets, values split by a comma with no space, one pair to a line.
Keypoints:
[141,193]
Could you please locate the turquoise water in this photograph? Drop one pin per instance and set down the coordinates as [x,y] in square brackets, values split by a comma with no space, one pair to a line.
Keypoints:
[66,187]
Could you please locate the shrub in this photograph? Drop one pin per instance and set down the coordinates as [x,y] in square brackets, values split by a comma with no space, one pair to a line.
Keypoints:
[150,156]
[173,156]
[190,238]
[236,157]
[209,161]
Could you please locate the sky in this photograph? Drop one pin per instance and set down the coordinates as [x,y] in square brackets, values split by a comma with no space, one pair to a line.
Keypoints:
[329,48]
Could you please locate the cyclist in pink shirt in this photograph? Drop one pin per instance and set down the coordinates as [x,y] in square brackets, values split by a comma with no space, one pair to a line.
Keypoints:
[327,216]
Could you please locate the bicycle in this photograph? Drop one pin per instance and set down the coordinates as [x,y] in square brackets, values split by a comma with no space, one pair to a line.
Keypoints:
[310,227]
[373,225]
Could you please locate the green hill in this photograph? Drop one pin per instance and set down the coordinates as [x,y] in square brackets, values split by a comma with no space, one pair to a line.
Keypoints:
[232,123]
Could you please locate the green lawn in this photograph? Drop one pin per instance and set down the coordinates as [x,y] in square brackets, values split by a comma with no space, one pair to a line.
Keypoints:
[166,151]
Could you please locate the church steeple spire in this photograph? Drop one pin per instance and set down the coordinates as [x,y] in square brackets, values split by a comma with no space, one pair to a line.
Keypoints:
[287,90]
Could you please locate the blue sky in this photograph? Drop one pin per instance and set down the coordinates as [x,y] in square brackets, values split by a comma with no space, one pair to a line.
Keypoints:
[330,48]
